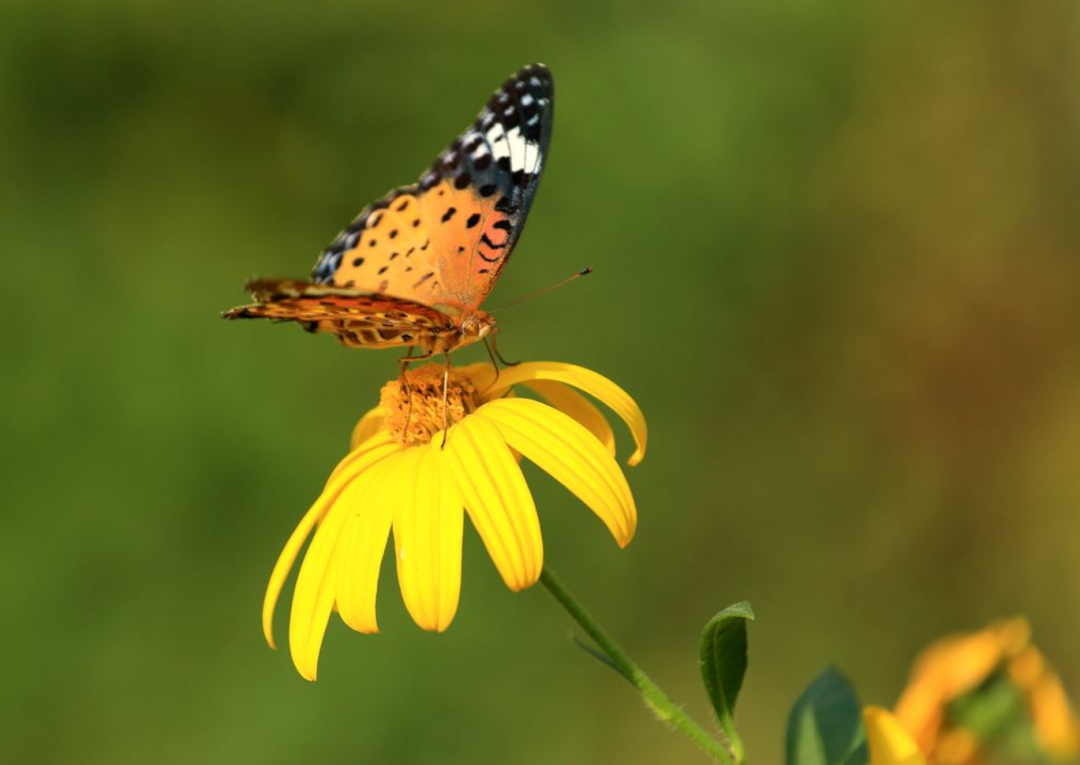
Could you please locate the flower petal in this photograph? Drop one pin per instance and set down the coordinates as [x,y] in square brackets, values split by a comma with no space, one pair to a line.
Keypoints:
[567,400]
[890,743]
[497,499]
[571,455]
[428,526]
[366,532]
[482,373]
[351,466]
[368,426]
[380,439]
[1056,727]
[315,592]
[592,383]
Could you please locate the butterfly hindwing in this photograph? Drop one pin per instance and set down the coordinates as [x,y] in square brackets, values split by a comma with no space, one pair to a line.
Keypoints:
[444,240]
[356,317]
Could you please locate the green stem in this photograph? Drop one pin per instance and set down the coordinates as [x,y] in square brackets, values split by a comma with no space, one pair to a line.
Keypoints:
[658,701]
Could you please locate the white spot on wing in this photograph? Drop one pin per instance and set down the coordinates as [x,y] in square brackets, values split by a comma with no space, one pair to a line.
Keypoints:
[523,153]
[496,136]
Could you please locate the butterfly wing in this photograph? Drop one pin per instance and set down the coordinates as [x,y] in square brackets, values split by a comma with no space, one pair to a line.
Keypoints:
[358,318]
[444,240]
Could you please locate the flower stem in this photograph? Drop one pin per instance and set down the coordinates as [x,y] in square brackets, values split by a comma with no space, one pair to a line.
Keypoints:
[662,706]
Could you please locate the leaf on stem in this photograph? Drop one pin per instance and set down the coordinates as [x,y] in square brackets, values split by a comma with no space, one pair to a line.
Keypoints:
[600,656]
[723,664]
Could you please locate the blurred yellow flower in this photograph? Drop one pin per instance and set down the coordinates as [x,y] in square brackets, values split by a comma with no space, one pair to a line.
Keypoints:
[958,665]
[398,476]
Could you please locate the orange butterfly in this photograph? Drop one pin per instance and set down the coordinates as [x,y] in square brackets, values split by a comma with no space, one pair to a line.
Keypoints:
[414,267]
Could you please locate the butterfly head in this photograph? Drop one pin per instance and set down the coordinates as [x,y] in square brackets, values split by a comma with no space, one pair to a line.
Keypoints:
[476,326]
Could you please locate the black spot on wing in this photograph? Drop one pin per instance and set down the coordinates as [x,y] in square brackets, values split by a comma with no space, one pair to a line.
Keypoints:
[487,241]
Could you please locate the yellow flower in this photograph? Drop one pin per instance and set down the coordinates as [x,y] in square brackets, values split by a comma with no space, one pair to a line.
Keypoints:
[399,476]
[958,665]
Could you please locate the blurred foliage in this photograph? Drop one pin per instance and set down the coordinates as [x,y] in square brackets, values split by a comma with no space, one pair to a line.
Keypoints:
[825,726]
[836,251]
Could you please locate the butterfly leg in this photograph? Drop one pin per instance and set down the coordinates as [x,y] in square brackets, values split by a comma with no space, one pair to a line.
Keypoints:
[494,363]
[445,398]
[495,347]
[403,380]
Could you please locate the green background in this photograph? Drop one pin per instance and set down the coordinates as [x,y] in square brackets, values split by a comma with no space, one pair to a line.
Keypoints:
[836,251]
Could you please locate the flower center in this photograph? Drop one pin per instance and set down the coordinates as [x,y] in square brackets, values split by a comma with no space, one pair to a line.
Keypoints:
[415,411]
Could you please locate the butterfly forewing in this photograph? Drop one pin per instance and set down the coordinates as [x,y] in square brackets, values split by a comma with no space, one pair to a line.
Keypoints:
[444,240]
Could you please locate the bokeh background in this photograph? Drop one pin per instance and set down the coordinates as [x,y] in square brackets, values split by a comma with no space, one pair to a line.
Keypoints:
[837,253]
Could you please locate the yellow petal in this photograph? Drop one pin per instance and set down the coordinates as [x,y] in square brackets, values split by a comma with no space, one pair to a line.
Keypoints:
[890,743]
[366,532]
[567,400]
[1027,667]
[428,525]
[378,440]
[921,710]
[956,746]
[1056,728]
[571,455]
[482,373]
[353,465]
[592,383]
[368,426]
[315,592]
[497,499]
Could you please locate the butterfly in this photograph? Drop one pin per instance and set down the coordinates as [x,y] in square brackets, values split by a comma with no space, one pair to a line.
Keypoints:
[414,267]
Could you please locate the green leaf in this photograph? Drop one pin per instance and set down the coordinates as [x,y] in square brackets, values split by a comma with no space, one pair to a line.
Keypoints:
[723,665]
[825,726]
[600,656]
[989,710]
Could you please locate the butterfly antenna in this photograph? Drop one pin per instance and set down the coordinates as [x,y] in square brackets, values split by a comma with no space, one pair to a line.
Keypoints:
[544,291]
